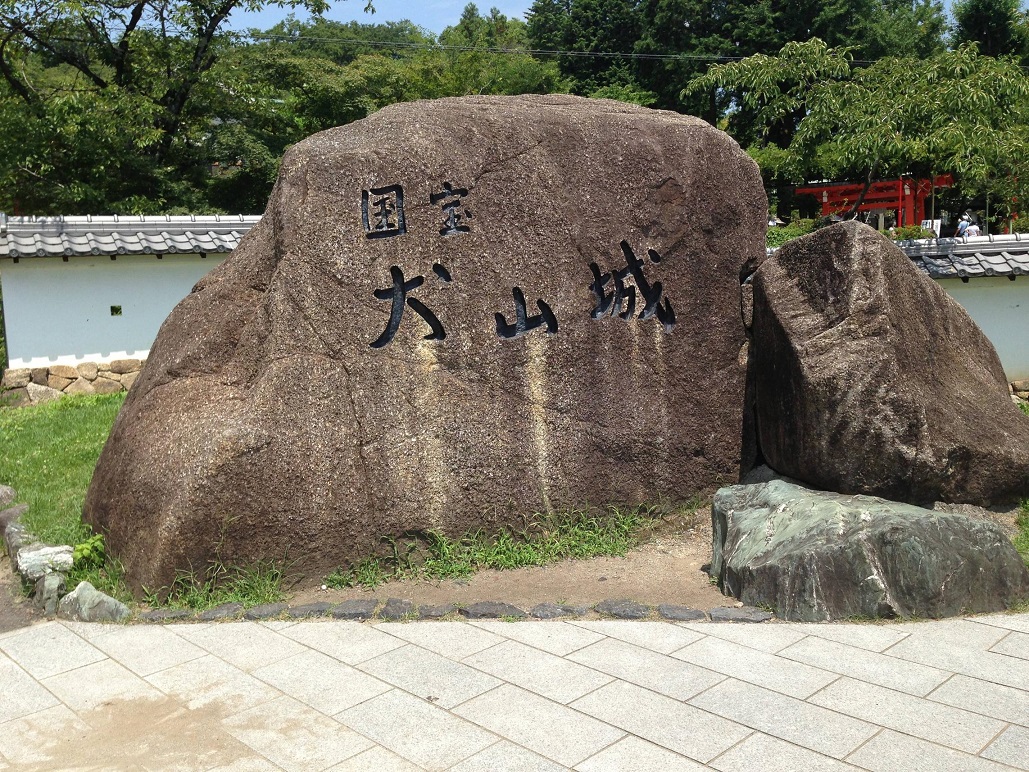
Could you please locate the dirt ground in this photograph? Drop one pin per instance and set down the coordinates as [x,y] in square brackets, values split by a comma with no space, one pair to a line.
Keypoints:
[15,609]
[668,568]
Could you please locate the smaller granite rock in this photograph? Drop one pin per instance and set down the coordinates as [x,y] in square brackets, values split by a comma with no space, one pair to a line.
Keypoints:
[49,589]
[15,398]
[128,379]
[40,394]
[264,611]
[122,366]
[16,378]
[37,560]
[681,613]
[396,609]
[57,382]
[436,612]
[106,385]
[556,611]
[80,386]
[38,375]
[166,615]
[622,609]
[741,614]
[356,609]
[87,370]
[218,613]
[87,604]
[491,609]
[308,610]
[816,556]
[1022,385]
[7,495]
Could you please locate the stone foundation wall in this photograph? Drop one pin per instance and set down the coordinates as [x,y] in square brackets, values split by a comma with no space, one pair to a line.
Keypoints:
[31,386]
[1020,389]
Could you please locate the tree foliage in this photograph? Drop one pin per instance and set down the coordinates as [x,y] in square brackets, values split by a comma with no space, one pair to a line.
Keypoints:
[956,111]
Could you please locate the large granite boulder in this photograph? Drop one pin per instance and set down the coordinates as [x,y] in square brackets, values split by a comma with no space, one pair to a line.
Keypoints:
[868,378]
[453,314]
[814,556]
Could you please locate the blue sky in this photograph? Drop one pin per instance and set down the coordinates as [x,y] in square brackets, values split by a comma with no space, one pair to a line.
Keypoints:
[433,15]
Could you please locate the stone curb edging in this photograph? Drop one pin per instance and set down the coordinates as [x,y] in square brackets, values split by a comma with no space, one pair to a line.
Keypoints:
[400,609]
[46,566]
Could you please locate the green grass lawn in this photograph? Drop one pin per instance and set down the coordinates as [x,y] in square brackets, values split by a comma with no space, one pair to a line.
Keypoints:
[49,452]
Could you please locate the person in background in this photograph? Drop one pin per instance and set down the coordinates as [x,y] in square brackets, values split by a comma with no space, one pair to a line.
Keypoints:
[972,229]
[962,226]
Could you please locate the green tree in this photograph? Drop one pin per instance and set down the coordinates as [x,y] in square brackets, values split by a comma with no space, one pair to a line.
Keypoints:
[999,27]
[118,99]
[546,22]
[957,111]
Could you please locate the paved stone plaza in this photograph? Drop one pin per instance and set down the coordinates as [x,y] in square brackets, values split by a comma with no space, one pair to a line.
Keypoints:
[495,695]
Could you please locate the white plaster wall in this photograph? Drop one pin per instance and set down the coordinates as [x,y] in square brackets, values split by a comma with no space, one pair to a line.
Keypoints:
[1001,309]
[59,313]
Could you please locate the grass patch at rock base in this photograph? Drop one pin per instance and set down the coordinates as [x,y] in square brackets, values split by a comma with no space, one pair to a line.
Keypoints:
[199,591]
[577,534]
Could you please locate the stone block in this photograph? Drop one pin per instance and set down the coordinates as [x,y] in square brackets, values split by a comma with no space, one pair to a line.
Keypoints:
[7,495]
[1022,385]
[491,609]
[103,385]
[819,556]
[122,366]
[87,370]
[308,610]
[37,560]
[103,367]
[38,375]
[222,612]
[80,386]
[40,394]
[680,613]
[16,378]
[48,592]
[356,609]
[64,371]
[395,609]
[128,379]
[622,609]
[57,382]
[87,604]
[264,611]
[15,398]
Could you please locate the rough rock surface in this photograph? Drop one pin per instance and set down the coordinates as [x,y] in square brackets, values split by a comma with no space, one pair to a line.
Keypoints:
[40,394]
[48,592]
[447,275]
[869,378]
[817,556]
[87,604]
[37,560]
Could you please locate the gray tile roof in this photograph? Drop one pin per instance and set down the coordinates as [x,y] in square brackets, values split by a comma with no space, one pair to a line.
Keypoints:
[117,235]
[143,235]
[971,257]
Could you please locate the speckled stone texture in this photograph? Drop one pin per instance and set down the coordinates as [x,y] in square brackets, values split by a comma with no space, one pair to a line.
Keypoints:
[299,403]
[869,378]
[815,556]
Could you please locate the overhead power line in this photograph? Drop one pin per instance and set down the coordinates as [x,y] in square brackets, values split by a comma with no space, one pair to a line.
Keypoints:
[491,49]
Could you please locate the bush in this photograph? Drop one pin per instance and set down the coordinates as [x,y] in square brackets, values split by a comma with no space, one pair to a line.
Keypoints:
[776,237]
[909,232]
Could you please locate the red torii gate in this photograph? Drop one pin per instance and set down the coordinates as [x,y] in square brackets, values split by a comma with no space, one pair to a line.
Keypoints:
[906,195]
